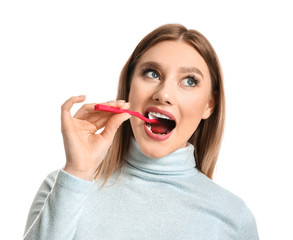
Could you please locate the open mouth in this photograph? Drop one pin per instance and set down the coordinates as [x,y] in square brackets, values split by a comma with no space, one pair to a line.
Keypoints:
[165,126]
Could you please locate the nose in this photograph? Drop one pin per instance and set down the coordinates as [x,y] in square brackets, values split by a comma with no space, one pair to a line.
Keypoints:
[164,94]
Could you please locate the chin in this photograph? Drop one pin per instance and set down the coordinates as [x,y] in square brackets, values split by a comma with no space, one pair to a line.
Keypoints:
[154,154]
[154,149]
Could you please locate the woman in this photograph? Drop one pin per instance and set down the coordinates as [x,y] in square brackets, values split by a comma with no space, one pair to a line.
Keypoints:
[136,180]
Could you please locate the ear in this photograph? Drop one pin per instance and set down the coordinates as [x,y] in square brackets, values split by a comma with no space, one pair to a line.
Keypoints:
[209,108]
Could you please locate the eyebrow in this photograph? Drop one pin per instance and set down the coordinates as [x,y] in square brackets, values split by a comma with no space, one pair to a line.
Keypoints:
[151,64]
[188,69]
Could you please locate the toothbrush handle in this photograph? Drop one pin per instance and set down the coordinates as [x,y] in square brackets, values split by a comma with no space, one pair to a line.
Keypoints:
[105,108]
[100,107]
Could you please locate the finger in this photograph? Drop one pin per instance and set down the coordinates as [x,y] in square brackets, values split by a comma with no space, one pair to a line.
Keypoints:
[66,107]
[100,121]
[87,111]
[113,124]
[69,103]
[90,108]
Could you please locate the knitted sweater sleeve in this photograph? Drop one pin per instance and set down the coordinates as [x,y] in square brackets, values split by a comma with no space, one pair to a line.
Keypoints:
[57,207]
[248,230]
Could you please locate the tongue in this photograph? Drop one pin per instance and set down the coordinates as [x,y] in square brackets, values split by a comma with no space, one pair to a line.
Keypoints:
[162,127]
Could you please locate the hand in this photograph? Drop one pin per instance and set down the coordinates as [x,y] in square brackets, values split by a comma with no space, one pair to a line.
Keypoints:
[85,150]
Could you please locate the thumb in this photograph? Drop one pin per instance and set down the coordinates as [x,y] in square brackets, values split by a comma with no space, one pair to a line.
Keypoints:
[113,124]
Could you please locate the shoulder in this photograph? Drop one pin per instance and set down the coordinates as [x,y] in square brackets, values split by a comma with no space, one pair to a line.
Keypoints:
[41,196]
[49,181]
[51,177]
[216,193]
[225,206]
[47,185]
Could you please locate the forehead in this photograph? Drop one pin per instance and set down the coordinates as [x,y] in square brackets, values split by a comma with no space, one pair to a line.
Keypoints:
[175,54]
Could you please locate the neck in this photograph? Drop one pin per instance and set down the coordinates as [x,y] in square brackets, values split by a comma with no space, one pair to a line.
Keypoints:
[180,161]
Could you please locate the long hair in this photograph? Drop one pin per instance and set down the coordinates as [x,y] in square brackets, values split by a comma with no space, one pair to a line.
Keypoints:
[207,137]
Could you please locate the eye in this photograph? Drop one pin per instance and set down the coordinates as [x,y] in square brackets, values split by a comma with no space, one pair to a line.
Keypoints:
[190,81]
[151,74]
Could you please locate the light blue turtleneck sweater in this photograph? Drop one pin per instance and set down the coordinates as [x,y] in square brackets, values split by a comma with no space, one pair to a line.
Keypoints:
[154,199]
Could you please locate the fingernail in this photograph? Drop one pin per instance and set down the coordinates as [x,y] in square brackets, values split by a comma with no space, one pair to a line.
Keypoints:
[121,101]
[81,96]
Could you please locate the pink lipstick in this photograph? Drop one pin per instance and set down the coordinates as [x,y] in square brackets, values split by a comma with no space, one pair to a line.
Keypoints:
[164,129]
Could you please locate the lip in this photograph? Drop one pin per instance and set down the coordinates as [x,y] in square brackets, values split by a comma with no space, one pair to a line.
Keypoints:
[157,137]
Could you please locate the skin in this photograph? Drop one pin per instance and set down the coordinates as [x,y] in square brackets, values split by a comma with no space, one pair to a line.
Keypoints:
[167,88]
[85,149]
[170,89]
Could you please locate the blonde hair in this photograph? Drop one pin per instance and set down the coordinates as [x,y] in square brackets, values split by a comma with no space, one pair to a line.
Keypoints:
[207,137]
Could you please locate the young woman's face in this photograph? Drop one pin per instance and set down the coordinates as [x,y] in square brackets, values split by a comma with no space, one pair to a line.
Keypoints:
[171,82]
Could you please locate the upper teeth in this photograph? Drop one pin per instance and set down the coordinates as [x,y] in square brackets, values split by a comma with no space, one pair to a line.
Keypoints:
[155,115]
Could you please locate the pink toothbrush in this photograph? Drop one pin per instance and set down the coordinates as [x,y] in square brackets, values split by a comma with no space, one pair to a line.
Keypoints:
[104,108]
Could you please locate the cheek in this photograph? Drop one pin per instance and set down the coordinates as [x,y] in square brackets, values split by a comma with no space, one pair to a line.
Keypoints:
[133,92]
[138,94]
[134,98]
[192,110]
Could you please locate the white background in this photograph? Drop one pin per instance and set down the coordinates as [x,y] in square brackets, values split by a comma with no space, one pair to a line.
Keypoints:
[51,50]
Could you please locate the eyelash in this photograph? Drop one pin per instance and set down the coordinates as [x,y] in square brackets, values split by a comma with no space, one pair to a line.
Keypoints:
[147,70]
[196,82]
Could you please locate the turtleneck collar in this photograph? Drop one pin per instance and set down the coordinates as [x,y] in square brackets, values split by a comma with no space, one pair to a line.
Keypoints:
[180,161]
